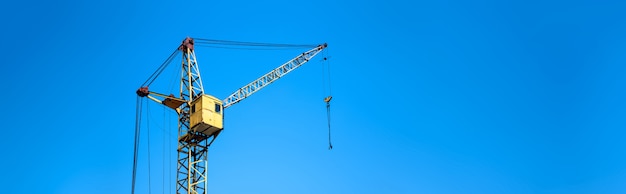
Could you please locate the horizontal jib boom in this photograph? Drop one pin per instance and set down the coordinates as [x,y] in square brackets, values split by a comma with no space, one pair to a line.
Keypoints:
[270,77]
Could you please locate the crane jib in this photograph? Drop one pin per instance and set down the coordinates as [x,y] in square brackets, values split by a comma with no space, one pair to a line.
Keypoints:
[268,78]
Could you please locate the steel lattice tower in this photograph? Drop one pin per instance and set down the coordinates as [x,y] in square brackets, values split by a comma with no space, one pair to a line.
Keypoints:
[191,177]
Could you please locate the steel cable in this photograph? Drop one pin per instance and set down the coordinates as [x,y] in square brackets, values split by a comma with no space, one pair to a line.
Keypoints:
[137,135]
[330,94]
[148,128]
[237,47]
[250,44]
[330,145]
[160,69]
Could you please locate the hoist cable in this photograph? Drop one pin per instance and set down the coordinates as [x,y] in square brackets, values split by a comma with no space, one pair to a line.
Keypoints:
[148,128]
[163,154]
[329,97]
[330,145]
[160,69]
[137,135]
[324,91]
[330,89]
[169,142]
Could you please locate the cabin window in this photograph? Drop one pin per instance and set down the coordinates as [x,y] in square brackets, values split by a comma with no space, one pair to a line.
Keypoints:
[218,108]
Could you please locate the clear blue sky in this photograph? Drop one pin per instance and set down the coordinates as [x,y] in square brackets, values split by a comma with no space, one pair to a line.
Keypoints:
[429,96]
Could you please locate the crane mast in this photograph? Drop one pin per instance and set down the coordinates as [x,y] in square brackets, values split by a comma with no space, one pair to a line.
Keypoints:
[200,116]
[192,145]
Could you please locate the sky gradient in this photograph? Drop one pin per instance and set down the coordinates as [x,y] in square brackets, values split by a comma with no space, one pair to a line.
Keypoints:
[428,96]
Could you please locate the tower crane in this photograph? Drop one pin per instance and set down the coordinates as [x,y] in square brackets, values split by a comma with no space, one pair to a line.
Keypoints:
[200,115]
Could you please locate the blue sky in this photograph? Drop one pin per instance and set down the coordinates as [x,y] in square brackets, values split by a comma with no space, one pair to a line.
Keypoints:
[429,96]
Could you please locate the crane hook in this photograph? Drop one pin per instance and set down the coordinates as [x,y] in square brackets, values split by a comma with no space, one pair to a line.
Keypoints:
[327,100]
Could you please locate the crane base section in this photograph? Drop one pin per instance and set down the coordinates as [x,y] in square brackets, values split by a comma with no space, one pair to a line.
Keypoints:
[206,115]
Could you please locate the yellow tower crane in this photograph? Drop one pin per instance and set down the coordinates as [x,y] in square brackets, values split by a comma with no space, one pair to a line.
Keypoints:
[201,116]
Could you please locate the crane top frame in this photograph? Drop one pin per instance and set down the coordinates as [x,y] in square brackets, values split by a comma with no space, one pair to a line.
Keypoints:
[241,93]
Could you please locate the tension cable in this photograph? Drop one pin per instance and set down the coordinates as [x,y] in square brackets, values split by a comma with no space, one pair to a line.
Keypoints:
[137,133]
[329,92]
[250,44]
[148,128]
[160,69]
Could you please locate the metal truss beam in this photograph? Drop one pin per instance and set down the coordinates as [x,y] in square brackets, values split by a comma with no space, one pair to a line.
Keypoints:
[270,77]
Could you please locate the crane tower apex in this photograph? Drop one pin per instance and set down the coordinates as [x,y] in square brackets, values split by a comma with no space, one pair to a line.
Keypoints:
[186,44]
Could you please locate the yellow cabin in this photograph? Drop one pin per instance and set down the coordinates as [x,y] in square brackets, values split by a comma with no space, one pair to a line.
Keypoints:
[206,115]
